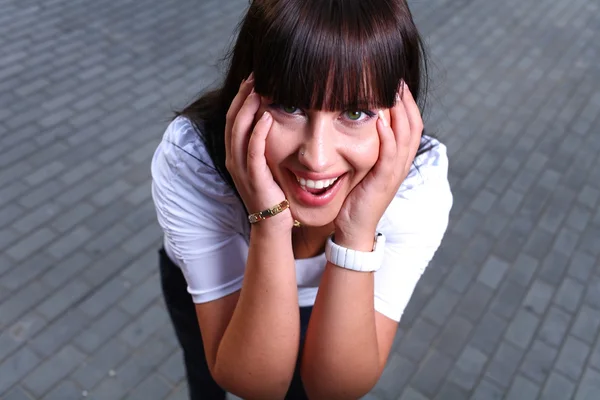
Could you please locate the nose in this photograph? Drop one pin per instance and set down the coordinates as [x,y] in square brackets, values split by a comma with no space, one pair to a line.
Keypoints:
[317,153]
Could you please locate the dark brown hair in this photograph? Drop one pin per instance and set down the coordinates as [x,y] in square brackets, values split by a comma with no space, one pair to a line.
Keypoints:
[316,54]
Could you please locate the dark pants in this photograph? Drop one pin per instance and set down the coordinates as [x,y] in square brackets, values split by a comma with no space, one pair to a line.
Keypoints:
[183,315]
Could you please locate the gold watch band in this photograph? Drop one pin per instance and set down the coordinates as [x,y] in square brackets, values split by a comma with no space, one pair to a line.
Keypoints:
[269,212]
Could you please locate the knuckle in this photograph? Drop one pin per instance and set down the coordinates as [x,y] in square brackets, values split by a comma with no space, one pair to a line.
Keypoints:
[253,154]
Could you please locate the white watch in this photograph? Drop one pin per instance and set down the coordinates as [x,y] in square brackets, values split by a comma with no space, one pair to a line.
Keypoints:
[363,261]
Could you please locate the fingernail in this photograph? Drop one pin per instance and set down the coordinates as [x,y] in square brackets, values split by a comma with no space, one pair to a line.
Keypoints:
[251,77]
[382,117]
[266,116]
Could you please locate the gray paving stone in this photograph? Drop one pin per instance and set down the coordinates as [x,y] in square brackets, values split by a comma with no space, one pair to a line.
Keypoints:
[557,388]
[522,389]
[522,329]
[63,299]
[475,301]
[73,216]
[508,299]
[108,239]
[504,364]
[488,333]
[417,340]
[581,266]
[101,330]
[589,386]
[16,366]
[539,361]
[69,242]
[149,237]
[492,272]
[24,272]
[539,296]
[144,326]
[30,244]
[589,196]
[106,195]
[571,359]
[152,353]
[451,391]
[154,386]
[487,391]
[65,390]
[569,294]
[173,370]
[59,332]
[52,370]
[141,268]
[15,335]
[453,336]
[431,373]
[412,394]
[468,368]
[65,270]
[142,295]
[43,174]
[181,393]
[17,393]
[99,365]
[106,296]
[36,218]
[555,325]
[587,324]
[441,306]
[9,213]
[578,218]
[106,267]
[21,301]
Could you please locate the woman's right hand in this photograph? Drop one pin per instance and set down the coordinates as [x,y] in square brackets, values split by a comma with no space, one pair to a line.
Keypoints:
[245,155]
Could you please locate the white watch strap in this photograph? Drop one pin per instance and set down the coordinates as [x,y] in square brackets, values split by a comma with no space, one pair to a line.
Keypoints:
[355,260]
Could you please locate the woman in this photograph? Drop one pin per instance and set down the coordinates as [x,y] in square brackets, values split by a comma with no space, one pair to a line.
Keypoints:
[314,131]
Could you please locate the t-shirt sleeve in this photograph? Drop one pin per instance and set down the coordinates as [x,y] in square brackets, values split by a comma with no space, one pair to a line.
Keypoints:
[199,214]
[414,225]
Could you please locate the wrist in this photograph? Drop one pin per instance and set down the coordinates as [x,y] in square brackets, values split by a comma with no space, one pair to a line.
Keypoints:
[278,225]
[359,241]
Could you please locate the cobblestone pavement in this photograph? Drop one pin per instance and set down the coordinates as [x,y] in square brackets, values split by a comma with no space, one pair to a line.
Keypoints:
[509,308]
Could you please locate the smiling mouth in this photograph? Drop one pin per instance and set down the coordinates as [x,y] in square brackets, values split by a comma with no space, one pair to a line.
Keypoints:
[316,188]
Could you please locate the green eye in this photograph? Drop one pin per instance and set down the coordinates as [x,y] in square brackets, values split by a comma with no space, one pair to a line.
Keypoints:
[289,109]
[354,115]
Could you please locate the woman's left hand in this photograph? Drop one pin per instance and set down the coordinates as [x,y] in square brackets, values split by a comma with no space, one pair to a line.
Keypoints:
[399,141]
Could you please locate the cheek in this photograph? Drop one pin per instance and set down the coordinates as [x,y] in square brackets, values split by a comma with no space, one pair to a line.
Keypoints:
[277,147]
[365,151]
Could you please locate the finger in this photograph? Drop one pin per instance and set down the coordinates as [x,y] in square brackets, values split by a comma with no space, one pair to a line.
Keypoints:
[413,114]
[387,146]
[245,88]
[256,160]
[242,128]
[415,121]
[400,125]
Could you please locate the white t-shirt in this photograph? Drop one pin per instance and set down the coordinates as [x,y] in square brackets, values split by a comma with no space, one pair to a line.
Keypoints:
[207,235]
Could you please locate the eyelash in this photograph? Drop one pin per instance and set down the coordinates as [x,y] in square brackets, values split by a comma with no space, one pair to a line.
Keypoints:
[370,114]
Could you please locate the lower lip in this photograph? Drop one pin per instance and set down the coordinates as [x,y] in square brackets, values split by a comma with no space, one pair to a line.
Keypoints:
[312,200]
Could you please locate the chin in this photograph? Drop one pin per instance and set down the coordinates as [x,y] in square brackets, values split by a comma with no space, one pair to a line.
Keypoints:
[314,218]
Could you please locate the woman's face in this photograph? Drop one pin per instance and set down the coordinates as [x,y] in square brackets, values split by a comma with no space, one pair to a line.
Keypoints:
[318,157]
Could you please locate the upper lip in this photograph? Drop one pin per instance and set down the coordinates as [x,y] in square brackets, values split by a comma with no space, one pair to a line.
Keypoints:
[314,176]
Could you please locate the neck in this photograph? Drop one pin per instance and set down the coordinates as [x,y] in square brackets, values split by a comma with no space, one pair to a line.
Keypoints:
[309,241]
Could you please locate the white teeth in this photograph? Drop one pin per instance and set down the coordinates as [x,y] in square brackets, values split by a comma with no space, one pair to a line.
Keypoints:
[308,183]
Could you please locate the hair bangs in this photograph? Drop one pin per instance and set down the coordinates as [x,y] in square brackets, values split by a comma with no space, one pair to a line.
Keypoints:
[330,54]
